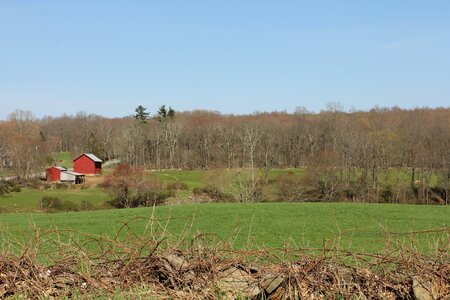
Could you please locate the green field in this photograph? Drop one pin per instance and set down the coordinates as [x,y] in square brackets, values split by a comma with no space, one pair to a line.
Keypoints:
[28,199]
[357,227]
[63,159]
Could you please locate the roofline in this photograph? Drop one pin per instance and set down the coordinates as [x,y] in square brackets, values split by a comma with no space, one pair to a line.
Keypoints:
[86,154]
[58,167]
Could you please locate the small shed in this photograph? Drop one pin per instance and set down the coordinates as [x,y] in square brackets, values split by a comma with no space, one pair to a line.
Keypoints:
[54,173]
[87,163]
[70,176]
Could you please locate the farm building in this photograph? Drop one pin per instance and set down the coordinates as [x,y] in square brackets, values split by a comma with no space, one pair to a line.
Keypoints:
[70,176]
[87,163]
[54,173]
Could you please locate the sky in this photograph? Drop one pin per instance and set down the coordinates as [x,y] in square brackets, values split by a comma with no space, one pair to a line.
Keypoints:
[232,56]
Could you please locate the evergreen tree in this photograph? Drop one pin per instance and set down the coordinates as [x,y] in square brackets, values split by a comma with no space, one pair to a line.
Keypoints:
[163,113]
[171,112]
[141,114]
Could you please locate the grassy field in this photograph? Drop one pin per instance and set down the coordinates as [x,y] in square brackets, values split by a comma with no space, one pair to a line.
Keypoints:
[357,227]
[364,227]
[28,199]
[202,178]
[63,159]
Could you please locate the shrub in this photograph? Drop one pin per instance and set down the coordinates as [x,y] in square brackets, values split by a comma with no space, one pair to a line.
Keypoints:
[350,193]
[4,187]
[246,186]
[214,193]
[33,183]
[130,187]
[51,203]
[289,188]
[61,186]
[387,194]
[8,187]
[55,204]
[198,191]
[69,206]
[15,189]
[177,186]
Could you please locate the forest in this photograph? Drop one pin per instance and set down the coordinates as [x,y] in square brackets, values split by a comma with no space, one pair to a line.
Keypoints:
[389,155]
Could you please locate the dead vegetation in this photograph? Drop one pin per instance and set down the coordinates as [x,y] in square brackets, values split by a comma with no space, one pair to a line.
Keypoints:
[59,264]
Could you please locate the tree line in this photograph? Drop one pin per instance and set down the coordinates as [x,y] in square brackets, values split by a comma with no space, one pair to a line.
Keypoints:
[388,153]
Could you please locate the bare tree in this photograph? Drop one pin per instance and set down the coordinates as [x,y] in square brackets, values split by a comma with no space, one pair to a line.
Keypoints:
[250,135]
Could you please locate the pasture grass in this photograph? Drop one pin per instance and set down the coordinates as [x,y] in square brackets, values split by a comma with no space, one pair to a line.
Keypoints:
[350,226]
[193,178]
[201,178]
[63,159]
[28,199]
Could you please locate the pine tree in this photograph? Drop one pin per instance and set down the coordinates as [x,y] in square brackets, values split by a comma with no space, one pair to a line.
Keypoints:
[141,114]
[163,113]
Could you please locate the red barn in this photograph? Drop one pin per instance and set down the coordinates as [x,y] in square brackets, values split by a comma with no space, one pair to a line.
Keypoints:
[54,173]
[87,163]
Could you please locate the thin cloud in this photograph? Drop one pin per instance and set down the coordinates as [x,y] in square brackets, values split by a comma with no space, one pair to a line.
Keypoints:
[396,44]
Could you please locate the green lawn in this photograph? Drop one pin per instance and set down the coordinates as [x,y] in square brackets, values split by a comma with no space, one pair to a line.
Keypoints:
[201,178]
[28,199]
[359,227]
[194,178]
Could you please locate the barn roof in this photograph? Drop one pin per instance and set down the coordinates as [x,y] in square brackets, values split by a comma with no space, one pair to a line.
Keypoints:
[58,167]
[91,156]
[73,173]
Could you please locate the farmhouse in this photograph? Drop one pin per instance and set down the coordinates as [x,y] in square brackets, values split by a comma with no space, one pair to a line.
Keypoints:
[87,163]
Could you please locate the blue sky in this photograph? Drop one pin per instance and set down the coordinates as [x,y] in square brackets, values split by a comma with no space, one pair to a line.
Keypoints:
[233,56]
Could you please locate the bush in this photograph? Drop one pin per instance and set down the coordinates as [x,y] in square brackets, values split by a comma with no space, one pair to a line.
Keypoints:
[4,187]
[216,194]
[48,203]
[387,194]
[130,187]
[55,204]
[213,193]
[33,183]
[198,191]
[15,189]
[350,193]
[246,186]
[9,187]
[70,206]
[61,186]
[177,186]
[289,188]
[146,200]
